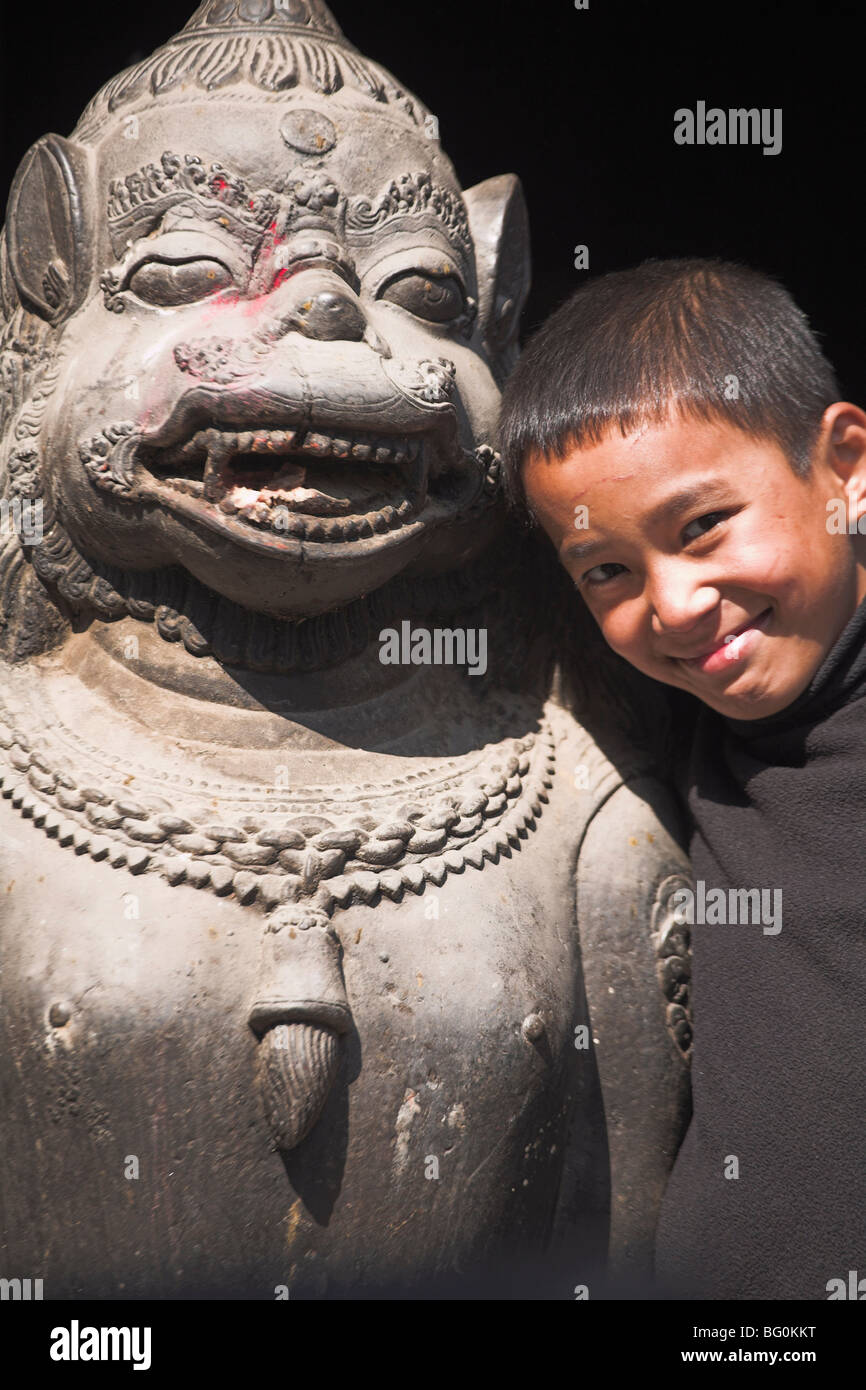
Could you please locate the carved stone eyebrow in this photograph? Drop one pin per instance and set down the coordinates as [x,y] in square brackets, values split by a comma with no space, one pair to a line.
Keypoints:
[142,198]
[306,198]
[413,196]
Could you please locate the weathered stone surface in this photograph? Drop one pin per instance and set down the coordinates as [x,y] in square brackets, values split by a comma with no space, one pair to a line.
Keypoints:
[303,893]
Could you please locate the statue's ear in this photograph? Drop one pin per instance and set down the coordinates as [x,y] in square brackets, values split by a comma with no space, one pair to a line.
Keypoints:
[47,235]
[500,229]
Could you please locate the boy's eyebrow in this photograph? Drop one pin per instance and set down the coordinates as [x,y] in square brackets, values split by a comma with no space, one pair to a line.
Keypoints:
[677,502]
[580,550]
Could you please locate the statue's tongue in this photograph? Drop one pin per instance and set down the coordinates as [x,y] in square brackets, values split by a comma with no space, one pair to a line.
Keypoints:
[340,491]
[305,499]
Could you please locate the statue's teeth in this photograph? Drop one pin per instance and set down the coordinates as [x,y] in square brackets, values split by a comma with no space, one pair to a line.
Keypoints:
[284,505]
[257,512]
[317,443]
[189,486]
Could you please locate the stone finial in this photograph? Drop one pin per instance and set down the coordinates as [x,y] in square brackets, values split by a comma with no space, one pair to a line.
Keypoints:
[310,16]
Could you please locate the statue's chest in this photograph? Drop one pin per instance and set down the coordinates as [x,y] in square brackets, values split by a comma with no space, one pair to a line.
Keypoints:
[128,1037]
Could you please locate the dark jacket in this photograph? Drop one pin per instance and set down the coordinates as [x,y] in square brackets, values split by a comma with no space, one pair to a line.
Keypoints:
[768,1195]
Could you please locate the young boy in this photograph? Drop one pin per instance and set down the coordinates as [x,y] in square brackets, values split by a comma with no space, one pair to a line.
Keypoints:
[677,433]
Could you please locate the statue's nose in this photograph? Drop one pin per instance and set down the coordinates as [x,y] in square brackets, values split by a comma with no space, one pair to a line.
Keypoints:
[320,305]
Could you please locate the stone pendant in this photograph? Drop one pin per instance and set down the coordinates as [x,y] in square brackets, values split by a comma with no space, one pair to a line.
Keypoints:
[299,1015]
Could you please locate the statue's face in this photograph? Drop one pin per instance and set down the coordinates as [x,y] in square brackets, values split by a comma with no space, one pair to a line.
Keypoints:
[275,379]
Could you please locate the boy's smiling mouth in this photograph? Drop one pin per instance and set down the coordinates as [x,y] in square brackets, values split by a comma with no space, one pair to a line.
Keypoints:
[733,647]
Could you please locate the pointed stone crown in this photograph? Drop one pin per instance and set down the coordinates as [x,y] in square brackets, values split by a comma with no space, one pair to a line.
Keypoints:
[275,45]
[307,16]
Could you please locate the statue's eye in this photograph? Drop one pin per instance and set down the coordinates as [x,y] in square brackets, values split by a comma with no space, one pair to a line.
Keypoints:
[438,298]
[166,283]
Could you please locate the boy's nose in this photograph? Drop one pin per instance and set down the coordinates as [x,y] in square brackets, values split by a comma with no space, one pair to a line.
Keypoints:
[683,606]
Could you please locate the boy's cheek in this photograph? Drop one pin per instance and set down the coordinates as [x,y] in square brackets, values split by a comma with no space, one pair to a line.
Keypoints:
[634,648]
[620,637]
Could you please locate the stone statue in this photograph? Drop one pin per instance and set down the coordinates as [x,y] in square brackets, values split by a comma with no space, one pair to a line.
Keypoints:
[337,955]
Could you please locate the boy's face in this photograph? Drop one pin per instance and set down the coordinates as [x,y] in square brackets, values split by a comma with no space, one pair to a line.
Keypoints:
[750,554]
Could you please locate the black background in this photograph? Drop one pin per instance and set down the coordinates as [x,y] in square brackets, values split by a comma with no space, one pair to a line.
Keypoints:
[580,104]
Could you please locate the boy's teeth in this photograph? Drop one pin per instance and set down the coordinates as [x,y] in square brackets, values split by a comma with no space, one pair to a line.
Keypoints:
[733,645]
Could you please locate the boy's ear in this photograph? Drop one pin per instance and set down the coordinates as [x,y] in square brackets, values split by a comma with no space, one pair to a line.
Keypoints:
[499,223]
[47,237]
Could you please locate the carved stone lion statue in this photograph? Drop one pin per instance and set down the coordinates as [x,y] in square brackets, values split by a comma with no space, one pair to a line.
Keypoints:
[337,955]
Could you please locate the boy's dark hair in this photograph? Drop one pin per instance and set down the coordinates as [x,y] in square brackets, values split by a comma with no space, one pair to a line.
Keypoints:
[628,344]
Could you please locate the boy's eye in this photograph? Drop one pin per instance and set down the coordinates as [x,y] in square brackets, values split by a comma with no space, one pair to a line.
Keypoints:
[597,570]
[706,523]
